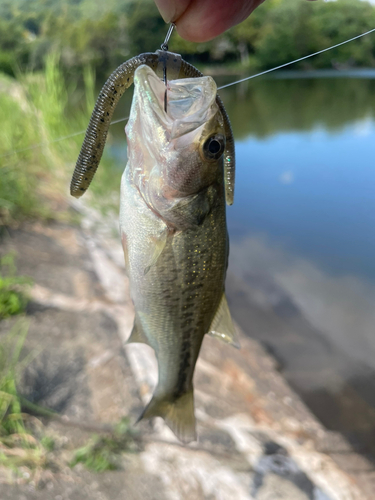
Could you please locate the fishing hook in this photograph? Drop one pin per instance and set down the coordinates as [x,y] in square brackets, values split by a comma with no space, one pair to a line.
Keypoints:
[164,45]
[164,48]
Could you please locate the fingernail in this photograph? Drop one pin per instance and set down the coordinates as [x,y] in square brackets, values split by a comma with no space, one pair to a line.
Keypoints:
[167,9]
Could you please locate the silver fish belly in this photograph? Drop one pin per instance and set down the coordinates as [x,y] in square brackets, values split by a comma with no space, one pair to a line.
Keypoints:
[174,234]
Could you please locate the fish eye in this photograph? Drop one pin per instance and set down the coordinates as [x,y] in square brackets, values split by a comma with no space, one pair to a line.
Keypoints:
[214,146]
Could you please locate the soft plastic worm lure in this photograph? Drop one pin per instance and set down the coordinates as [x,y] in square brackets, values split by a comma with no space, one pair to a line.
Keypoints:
[163,63]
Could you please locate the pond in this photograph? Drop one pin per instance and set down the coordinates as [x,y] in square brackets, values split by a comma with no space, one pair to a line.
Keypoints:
[301,277]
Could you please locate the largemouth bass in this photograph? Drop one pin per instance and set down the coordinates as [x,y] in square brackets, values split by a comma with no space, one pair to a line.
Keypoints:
[179,175]
[174,233]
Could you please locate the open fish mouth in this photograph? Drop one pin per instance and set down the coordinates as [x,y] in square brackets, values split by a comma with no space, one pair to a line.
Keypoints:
[190,101]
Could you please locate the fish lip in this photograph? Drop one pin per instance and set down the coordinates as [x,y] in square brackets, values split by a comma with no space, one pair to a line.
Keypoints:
[152,90]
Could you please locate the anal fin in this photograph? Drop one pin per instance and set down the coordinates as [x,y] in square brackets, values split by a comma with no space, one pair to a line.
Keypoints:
[137,334]
[222,326]
[178,414]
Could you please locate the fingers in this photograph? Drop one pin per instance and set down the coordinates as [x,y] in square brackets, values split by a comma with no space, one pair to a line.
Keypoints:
[202,20]
[171,10]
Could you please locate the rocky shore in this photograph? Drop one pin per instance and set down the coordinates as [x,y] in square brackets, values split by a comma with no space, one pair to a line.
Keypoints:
[257,440]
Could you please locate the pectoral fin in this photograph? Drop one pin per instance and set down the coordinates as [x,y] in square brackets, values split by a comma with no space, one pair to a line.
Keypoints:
[222,326]
[192,210]
[157,246]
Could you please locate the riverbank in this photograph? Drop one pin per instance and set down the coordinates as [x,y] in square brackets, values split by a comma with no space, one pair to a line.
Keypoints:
[256,438]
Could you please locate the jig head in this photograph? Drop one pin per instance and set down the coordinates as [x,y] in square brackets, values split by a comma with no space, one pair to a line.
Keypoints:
[164,48]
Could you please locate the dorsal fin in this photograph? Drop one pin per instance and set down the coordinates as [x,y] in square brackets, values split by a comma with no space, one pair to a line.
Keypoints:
[222,326]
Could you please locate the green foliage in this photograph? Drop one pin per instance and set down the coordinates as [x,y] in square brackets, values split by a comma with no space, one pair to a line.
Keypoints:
[104,34]
[11,421]
[12,299]
[17,187]
[146,28]
[63,39]
[96,456]
[48,443]
[293,29]
[36,110]
[103,452]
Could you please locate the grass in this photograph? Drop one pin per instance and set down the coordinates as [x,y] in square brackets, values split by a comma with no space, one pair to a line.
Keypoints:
[13,298]
[103,453]
[17,446]
[10,406]
[35,170]
[18,187]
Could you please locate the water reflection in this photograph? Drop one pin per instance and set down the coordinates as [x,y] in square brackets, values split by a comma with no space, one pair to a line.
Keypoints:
[314,191]
[319,327]
[302,273]
[278,105]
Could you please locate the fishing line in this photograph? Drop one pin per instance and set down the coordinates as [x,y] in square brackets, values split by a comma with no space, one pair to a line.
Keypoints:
[81,132]
[63,138]
[296,60]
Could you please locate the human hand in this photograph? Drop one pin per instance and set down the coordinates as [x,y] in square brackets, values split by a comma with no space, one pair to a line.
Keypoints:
[202,20]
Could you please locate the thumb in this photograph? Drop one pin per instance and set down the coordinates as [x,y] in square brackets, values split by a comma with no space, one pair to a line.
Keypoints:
[171,10]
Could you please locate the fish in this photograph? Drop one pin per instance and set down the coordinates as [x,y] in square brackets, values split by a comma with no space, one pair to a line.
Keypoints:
[178,180]
[174,234]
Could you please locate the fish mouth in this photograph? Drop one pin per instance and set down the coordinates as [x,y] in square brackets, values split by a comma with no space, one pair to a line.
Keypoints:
[190,101]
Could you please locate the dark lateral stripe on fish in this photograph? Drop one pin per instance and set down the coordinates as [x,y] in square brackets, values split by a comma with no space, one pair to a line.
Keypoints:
[185,365]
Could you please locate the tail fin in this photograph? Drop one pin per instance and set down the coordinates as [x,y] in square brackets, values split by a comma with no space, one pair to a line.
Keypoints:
[178,415]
